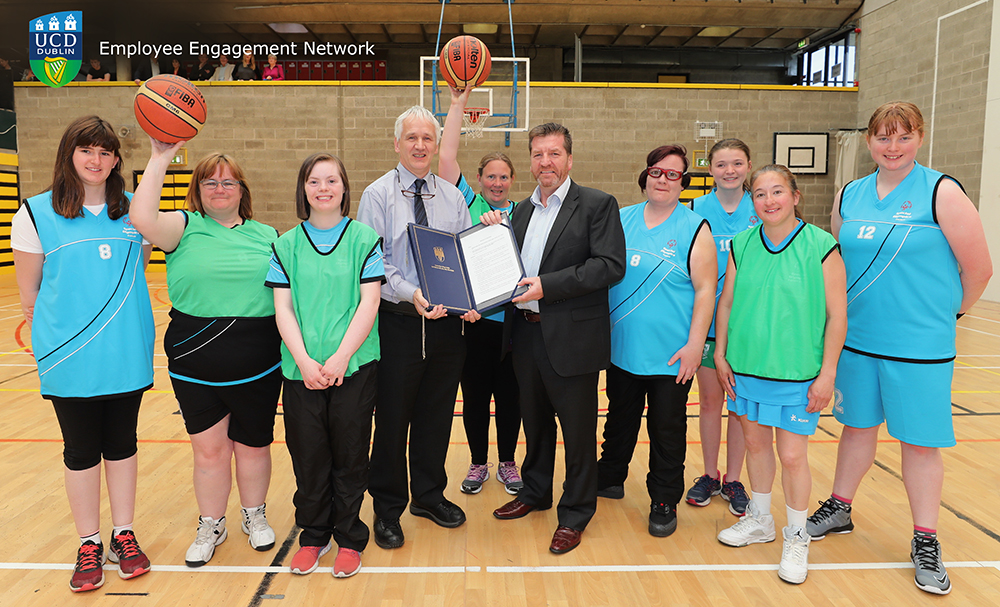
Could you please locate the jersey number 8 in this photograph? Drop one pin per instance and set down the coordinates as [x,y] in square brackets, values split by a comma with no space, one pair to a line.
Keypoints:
[105,251]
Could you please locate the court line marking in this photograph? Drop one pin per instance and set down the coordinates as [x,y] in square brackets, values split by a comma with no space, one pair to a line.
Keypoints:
[978,331]
[982,318]
[515,569]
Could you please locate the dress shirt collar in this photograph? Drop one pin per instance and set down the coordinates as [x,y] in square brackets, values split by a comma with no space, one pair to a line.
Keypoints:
[407,178]
[560,194]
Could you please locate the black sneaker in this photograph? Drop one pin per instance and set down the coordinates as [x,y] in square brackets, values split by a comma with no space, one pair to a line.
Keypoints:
[662,520]
[832,516]
[704,488]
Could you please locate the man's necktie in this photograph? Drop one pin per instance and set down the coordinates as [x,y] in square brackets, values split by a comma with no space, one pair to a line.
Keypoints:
[419,212]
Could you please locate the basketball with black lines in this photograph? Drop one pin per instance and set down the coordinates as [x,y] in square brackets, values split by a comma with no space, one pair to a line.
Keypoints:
[169,108]
[465,61]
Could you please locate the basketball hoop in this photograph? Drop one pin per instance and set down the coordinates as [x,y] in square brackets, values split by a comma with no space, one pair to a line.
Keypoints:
[474,121]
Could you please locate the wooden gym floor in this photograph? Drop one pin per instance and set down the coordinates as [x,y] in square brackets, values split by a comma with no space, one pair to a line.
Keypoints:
[490,562]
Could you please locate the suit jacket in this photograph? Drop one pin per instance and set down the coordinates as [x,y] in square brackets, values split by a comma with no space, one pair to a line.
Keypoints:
[584,254]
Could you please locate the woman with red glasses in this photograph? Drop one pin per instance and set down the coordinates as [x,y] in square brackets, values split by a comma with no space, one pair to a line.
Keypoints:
[660,314]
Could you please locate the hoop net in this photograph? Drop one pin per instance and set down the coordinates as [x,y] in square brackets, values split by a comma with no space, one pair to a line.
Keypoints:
[474,121]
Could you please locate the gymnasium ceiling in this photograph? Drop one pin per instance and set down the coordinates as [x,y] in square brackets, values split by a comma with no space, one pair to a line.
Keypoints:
[621,24]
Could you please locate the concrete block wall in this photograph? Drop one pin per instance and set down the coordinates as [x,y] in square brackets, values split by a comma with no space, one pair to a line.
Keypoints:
[270,129]
[896,50]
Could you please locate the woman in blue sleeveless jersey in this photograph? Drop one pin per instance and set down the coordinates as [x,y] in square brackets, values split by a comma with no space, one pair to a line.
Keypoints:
[916,259]
[729,210]
[80,228]
[660,314]
[222,343]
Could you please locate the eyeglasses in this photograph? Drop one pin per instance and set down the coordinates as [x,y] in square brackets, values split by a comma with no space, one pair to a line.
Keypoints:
[657,172]
[410,194]
[211,184]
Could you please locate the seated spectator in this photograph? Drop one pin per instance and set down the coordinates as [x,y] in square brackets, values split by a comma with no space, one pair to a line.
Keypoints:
[225,69]
[5,65]
[177,69]
[146,68]
[97,72]
[204,69]
[273,71]
[247,69]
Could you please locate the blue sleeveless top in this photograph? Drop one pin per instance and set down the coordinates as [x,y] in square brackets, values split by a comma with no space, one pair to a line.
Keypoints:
[903,283]
[651,307]
[724,227]
[92,332]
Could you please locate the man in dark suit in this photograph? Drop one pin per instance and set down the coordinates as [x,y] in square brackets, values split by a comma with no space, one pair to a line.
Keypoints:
[573,248]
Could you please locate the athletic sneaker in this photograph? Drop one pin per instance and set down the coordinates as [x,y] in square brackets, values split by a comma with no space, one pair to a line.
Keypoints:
[347,563]
[259,533]
[929,574]
[704,488]
[508,475]
[736,495]
[753,528]
[88,573]
[306,560]
[211,533]
[126,552]
[833,516]
[478,474]
[794,565]
[662,520]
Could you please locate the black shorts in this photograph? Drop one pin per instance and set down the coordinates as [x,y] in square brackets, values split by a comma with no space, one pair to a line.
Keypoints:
[98,427]
[226,366]
[251,405]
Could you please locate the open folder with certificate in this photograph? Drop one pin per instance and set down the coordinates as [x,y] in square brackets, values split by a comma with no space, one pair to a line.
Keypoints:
[476,269]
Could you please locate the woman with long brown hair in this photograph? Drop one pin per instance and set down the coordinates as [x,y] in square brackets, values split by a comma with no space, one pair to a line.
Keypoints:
[80,227]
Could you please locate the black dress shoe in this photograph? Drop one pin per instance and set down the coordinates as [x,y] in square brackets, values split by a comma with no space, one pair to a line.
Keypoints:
[445,513]
[615,492]
[388,534]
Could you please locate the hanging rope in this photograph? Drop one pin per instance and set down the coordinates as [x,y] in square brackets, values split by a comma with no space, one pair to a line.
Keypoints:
[437,45]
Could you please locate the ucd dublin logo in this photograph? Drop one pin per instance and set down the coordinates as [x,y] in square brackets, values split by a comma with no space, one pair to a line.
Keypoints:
[55,47]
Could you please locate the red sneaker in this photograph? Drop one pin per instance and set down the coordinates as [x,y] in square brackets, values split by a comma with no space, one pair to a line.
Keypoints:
[126,552]
[306,560]
[347,563]
[88,573]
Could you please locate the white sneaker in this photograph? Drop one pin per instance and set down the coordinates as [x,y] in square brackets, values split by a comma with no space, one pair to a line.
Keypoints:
[753,528]
[211,533]
[255,525]
[794,564]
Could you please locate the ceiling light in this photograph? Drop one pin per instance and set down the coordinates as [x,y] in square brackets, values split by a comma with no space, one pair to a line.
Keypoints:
[480,28]
[288,28]
[718,31]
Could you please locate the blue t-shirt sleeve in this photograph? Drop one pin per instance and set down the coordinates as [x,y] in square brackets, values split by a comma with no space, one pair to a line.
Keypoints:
[276,274]
[374,268]
[467,192]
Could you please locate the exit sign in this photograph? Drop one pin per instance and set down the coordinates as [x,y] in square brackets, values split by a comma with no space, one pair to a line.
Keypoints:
[181,159]
[701,163]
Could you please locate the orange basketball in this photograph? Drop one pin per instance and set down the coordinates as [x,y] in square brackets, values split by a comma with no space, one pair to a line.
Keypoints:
[465,61]
[169,108]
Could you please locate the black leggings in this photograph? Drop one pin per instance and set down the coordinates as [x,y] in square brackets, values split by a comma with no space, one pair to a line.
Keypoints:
[485,376]
[96,427]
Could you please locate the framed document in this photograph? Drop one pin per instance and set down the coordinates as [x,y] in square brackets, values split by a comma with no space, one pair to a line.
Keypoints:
[476,269]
